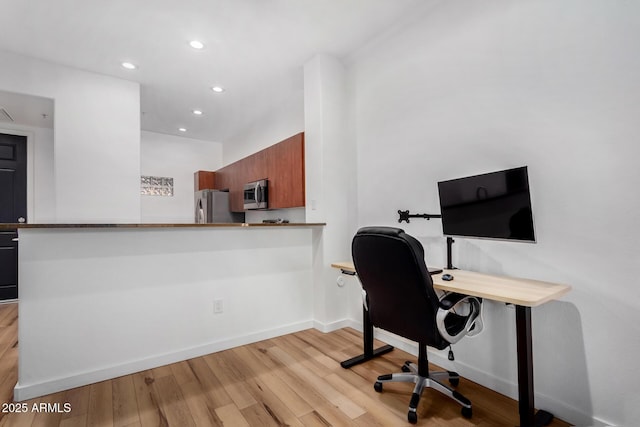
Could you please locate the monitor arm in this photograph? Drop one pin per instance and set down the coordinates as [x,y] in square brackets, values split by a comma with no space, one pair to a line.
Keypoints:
[405,215]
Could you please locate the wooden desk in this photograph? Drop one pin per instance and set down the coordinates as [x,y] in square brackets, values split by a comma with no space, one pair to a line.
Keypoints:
[524,294]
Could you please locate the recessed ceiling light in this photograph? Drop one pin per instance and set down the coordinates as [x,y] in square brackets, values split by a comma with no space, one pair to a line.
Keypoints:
[217,89]
[196,44]
[129,66]
[182,129]
[197,112]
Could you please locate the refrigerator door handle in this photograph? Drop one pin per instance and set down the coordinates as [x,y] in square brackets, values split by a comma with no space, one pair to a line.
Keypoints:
[200,212]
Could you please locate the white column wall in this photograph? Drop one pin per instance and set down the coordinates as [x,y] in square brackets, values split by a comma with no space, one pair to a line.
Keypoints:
[470,87]
[97,137]
[330,182]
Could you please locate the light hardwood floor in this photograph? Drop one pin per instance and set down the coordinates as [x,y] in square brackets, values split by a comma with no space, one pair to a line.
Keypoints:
[293,380]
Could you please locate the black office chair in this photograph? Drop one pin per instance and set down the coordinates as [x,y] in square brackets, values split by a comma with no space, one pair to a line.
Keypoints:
[400,299]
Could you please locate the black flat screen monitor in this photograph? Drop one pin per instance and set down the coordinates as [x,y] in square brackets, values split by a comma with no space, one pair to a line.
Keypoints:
[494,205]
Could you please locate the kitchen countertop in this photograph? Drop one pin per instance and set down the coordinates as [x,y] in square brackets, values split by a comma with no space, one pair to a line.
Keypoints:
[9,226]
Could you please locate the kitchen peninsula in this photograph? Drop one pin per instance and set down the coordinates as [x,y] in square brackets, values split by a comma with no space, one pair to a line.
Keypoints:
[98,301]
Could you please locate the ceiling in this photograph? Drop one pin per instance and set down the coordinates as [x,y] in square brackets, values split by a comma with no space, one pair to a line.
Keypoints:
[254,49]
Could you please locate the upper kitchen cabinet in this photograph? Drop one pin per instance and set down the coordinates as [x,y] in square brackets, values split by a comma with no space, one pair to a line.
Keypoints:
[204,180]
[285,166]
[231,178]
[282,164]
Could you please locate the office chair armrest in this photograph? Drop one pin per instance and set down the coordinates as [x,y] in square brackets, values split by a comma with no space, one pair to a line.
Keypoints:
[451,299]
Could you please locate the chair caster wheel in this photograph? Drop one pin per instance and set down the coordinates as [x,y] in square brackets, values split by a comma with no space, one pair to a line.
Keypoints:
[405,368]
[412,417]
[377,386]
[466,412]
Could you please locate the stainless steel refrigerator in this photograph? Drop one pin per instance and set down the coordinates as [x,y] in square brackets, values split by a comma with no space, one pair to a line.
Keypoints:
[213,206]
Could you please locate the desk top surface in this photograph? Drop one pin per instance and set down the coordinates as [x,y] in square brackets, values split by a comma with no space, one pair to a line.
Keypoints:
[525,292]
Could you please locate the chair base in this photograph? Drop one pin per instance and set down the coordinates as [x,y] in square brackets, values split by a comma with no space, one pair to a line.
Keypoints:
[413,374]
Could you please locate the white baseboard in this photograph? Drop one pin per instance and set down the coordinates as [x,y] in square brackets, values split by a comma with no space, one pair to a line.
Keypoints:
[23,392]
[333,326]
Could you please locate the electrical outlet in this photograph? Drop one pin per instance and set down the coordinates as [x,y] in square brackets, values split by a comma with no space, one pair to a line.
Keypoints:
[217,306]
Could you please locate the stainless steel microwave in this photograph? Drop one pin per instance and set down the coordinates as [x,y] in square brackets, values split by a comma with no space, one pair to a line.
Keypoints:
[256,195]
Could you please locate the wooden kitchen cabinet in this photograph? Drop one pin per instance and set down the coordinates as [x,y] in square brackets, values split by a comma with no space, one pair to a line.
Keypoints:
[282,164]
[285,166]
[230,178]
[204,180]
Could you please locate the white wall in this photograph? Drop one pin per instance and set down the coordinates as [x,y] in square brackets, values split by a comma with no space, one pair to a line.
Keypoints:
[330,181]
[41,203]
[471,87]
[102,303]
[177,158]
[97,137]
[281,122]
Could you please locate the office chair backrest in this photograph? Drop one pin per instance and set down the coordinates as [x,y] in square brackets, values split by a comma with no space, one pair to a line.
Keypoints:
[400,296]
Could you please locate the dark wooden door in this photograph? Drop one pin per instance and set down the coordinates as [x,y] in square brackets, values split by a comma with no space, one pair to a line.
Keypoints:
[13,208]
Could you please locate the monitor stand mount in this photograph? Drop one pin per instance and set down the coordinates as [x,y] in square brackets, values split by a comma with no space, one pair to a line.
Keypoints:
[405,215]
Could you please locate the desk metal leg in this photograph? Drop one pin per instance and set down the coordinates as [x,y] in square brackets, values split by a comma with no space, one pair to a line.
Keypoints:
[528,417]
[369,352]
